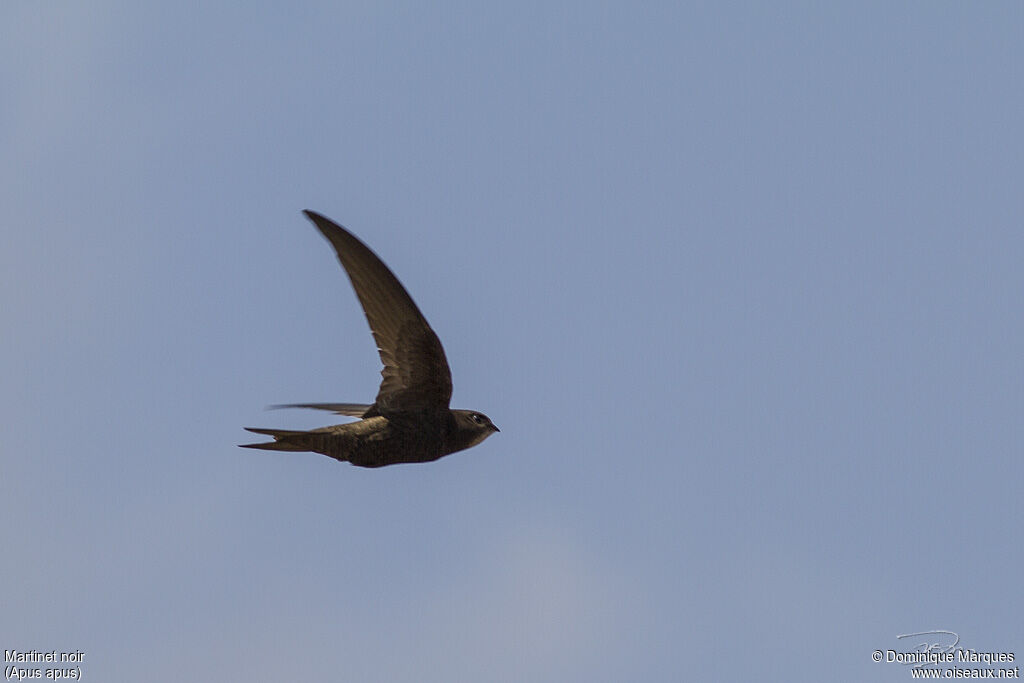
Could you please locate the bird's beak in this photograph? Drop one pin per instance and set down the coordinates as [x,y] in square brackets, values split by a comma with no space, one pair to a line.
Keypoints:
[495,427]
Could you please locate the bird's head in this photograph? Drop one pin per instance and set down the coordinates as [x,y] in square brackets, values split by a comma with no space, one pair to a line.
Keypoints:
[474,426]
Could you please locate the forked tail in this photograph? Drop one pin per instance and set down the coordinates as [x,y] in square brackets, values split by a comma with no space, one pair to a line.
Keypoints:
[284,440]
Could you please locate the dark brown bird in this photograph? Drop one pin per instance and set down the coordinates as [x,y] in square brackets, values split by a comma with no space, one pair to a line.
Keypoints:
[410,420]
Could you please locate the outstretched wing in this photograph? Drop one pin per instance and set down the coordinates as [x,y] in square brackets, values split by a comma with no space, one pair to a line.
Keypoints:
[350,409]
[416,374]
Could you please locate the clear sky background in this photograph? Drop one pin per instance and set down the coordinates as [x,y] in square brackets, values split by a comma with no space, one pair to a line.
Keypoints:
[741,284]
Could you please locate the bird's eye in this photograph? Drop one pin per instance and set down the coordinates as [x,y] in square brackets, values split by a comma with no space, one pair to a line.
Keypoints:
[476,417]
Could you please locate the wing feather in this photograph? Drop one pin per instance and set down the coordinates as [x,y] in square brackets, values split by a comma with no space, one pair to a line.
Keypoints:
[416,376]
[350,409]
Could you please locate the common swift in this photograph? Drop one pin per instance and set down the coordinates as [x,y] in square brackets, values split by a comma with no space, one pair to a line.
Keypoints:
[410,420]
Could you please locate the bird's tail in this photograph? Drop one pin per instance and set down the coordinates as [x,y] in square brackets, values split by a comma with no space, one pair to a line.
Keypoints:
[284,440]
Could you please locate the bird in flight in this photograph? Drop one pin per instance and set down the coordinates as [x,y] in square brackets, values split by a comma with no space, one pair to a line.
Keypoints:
[410,420]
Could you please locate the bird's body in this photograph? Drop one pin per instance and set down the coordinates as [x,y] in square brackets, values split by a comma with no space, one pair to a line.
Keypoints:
[378,441]
[410,420]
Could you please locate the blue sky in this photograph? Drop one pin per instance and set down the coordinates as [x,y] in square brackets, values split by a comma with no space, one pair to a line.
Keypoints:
[740,284]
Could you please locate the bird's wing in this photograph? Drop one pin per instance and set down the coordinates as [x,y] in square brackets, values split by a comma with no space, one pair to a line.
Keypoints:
[350,409]
[416,374]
